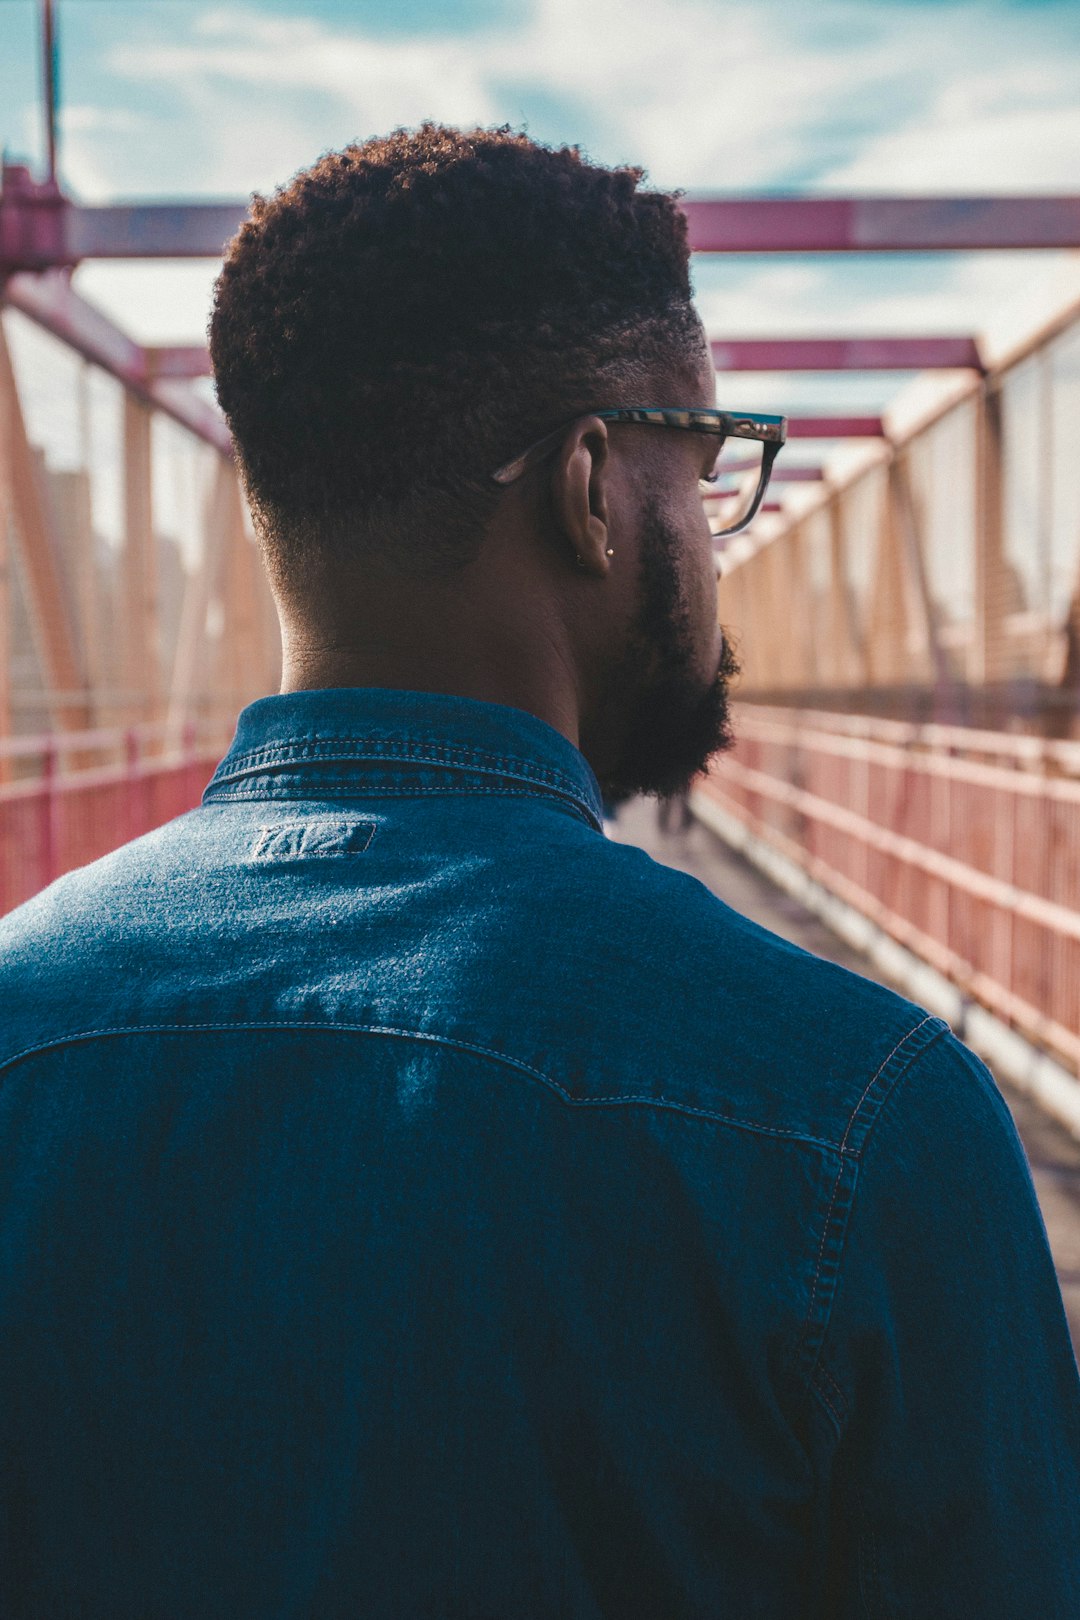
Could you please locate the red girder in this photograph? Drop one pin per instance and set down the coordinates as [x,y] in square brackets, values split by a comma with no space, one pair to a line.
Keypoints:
[880,224]
[835,427]
[845,354]
[796,475]
[40,228]
[739,354]
[178,361]
[50,300]
[781,474]
[157,374]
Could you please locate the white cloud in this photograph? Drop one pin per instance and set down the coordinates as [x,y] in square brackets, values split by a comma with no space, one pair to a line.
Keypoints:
[88,136]
[969,143]
[78,119]
[708,96]
[389,81]
[233,71]
[699,108]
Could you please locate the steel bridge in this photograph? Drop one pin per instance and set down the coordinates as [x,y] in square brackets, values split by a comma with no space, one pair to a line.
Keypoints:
[907,604]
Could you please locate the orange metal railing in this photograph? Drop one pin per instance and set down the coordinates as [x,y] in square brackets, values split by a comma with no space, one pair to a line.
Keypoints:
[68,797]
[964,845]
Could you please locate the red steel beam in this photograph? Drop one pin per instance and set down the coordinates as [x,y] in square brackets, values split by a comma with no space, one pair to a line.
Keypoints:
[185,361]
[40,229]
[156,373]
[717,225]
[739,354]
[178,361]
[835,427]
[845,354]
[49,300]
[796,475]
[194,413]
[154,230]
[880,224]
[780,475]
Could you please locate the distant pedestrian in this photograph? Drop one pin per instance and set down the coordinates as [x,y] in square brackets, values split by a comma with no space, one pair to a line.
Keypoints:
[673,813]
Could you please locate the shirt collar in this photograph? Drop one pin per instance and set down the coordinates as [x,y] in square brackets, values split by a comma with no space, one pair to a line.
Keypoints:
[357,725]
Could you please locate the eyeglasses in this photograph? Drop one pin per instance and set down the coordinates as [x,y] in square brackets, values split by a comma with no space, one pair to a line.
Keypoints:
[737,483]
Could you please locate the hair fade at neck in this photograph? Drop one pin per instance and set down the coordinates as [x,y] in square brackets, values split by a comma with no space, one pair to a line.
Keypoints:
[407,313]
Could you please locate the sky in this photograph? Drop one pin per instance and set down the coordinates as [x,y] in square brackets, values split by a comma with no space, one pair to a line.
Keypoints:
[193,98]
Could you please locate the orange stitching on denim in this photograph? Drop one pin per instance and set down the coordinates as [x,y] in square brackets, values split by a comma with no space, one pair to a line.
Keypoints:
[930,1018]
[821,1246]
[823,1372]
[820,1393]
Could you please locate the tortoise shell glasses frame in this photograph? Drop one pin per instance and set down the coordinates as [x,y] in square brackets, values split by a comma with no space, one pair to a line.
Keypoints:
[769,431]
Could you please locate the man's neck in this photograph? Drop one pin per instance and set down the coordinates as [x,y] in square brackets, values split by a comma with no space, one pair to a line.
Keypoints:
[312,663]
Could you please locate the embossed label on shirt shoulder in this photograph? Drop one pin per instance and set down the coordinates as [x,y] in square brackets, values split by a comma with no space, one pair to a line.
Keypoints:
[312,840]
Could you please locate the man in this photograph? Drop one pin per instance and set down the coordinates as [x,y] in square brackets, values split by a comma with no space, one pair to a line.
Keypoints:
[416,1205]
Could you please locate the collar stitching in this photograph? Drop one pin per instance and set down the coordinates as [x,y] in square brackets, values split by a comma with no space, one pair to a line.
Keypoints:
[462,756]
[396,747]
[523,790]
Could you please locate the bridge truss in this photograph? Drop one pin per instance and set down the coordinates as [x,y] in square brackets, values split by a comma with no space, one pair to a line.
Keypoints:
[924,581]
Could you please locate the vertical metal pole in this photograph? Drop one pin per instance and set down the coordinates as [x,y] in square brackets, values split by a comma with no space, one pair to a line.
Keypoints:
[988,666]
[139,565]
[51,76]
[82,554]
[189,777]
[39,545]
[133,815]
[1046,481]
[191,679]
[948,834]
[50,821]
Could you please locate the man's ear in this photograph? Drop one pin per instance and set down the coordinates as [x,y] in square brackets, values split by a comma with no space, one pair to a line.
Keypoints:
[579,496]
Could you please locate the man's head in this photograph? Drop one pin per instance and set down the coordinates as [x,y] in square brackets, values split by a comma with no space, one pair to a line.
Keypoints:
[396,324]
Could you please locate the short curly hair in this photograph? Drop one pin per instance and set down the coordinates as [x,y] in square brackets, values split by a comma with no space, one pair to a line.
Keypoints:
[460,291]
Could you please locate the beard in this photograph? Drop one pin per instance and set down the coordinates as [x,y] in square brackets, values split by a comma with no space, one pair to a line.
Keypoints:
[677,720]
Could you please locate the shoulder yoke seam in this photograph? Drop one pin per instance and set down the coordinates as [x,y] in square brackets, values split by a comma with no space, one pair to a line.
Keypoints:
[386,1031]
[942,1028]
[886,1077]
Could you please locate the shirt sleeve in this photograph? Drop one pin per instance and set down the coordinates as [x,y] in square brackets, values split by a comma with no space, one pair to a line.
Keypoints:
[948,1371]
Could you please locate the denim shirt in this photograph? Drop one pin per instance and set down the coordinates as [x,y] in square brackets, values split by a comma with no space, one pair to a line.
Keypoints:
[416,1206]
